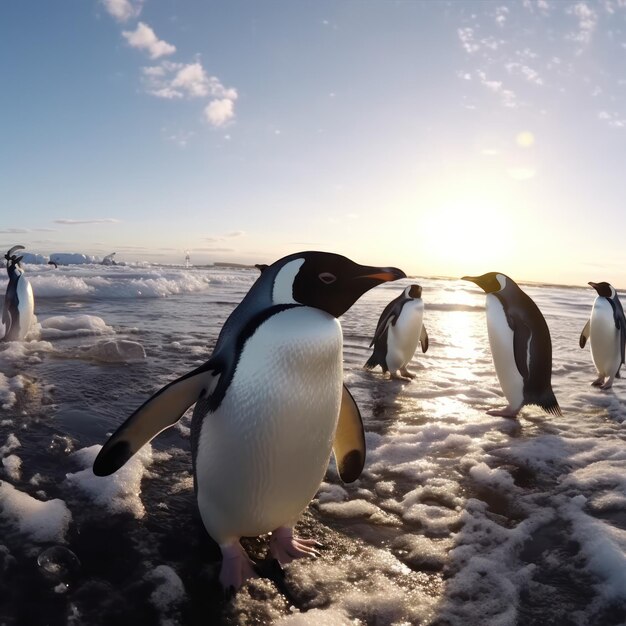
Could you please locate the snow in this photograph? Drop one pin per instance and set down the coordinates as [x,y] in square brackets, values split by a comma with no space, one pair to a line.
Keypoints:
[70,326]
[170,590]
[43,521]
[12,466]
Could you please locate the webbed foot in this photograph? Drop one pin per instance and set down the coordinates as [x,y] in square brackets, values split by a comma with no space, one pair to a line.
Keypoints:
[284,547]
[507,411]
[236,567]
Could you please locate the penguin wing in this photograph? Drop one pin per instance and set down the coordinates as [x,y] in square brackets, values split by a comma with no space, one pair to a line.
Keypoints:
[621,324]
[585,334]
[424,339]
[389,315]
[161,411]
[349,445]
[521,347]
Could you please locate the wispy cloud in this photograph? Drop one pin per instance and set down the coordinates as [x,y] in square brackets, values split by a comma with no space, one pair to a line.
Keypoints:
[16,231]
[143,38]
[612,119]
[122,10]
[212,250]
[107,220]
[507,96]
[231,235]
[587,22]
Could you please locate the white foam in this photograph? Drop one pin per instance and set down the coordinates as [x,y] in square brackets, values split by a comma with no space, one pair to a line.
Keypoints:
[12,466]
[12,443]
[115,351]
[119,492]
[8,388]
[43,521]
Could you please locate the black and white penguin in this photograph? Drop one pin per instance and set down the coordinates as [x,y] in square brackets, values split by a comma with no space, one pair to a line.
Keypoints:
[270,408]
[520,345]
[606,331]
[398,332]
[19,303]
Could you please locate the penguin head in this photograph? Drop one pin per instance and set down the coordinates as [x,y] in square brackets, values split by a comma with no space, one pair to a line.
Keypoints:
[13,261]
[326,281]
[413,291]
[604,289]
[489,283]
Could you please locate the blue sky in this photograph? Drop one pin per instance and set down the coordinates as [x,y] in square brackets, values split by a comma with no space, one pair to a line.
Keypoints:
[443,137]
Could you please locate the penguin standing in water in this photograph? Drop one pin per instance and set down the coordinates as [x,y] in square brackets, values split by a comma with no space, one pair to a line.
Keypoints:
[19,303]
[398,332]
[520,345]
[606,331]
[270,408]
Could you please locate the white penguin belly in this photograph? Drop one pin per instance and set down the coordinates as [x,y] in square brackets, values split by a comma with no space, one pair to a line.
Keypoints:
[604,338]
[501,342]
[263,454]
[403,337]
[25,306]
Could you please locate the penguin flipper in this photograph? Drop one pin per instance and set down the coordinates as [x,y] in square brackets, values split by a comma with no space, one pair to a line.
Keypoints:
[424,339]
[161,411]
[349,445]
[585,334]
[521,341]
[389,316]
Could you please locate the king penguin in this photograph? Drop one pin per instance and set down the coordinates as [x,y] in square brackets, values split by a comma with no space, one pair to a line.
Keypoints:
[270,408]
[606,331]
[19,303]
[398,332]
[520,345]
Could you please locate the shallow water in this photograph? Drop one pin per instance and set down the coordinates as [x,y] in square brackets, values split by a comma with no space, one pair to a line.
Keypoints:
[458,518]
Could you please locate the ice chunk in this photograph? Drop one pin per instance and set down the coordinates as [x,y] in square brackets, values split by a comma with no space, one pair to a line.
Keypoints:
[74,326]
[43,521]
[119,492]
[115,351]
[170,591]
[12,466]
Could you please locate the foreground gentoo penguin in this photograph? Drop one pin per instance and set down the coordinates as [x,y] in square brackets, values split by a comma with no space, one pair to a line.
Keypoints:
[270,407]
[606,331]
[19,304]
[398,331]
[520,345]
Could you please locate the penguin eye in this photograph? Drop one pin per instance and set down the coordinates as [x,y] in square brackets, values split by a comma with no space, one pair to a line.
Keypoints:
[327,278]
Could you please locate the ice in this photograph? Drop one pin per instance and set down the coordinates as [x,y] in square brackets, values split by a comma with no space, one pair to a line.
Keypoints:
[315,617]
[115,351]
[73,258]
[119,492]
[12,443]
[170,590]
[43,521]
[74,326]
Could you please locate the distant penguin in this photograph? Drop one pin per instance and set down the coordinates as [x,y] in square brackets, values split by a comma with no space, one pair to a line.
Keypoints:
[520,345]
[398,332]
[270,408]
[606,331]
[19,304]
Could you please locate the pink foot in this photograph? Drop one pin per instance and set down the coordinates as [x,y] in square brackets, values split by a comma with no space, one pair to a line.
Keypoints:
[236,566]
[598,382]
[284,547]
[608,383]
[507,411]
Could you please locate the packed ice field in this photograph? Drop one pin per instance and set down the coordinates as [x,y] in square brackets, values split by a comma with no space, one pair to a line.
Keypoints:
[458,518]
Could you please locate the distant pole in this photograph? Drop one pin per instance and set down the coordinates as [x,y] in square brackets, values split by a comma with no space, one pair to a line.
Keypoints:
[187,259]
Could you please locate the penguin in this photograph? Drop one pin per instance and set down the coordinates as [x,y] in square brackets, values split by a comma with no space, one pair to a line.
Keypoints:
[398,332]
[606,331]
[520,345]
[19,303]
[270,408]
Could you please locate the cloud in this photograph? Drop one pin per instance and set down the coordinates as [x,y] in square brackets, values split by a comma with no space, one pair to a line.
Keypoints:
[107,220]
[212,250]
[531,75]
[612,119]
[501,15]
[143,38]
[466,35]
[235,233]
[231,235]
[506,95]
[122,10]
[16,231]
[587,21]
[219,112]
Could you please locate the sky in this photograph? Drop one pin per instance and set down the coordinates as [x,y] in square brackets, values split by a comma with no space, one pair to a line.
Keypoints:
[445,138]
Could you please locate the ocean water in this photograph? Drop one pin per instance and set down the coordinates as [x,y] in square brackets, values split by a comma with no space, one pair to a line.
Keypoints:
[458,518]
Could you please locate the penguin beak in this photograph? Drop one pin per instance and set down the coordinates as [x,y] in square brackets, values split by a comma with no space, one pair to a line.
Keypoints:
[382,274]
[594,285]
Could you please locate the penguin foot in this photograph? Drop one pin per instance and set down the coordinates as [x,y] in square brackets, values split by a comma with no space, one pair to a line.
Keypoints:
[507,411]
[407,373]
[608,384]
[395,376]
[236,567]
[284,547]
[598,382]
